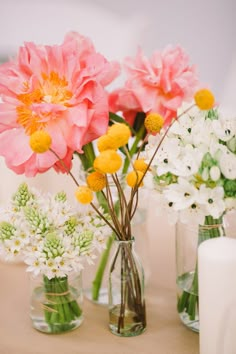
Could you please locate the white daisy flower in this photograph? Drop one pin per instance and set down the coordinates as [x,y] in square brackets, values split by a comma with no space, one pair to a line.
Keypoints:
[227,164]
[188,162]
[213,200]
[224,127]
[182,194]
[195,214]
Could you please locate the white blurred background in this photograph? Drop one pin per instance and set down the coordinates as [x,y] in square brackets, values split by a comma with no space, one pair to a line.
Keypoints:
[205,28]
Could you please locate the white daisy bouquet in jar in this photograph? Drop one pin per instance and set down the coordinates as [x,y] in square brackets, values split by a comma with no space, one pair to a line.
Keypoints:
[194,175]
[55,241]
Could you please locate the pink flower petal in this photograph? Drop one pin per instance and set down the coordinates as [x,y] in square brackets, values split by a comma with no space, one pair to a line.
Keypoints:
[14,146]
[62,91]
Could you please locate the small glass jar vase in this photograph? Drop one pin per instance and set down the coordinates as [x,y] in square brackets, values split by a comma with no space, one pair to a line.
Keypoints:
[127,313]
[188,238]
[56,304]
[96,276]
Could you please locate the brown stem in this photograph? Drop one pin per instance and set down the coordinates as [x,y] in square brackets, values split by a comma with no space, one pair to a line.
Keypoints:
[142,145]
[122,305]
[114,217]
[158,146]
[126,223]
[134,271]
[77,184]
[135,206]
[121,200]
[65,167]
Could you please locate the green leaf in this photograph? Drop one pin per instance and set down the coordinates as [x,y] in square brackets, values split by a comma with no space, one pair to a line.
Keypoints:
[115,118]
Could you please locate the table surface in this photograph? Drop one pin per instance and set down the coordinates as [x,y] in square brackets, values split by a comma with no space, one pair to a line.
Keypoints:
[164,335]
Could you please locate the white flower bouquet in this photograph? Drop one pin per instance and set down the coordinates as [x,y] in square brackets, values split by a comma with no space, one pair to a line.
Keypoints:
[194,171]
[194,174]
[55,240]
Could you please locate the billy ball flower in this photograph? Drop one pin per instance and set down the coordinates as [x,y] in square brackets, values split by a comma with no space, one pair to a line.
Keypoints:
[84,194]
[204,99]
[133,178]
[40,141]
[140,165]
[107,162]
[96,181]
[107,142]
[120,133]
[153,123]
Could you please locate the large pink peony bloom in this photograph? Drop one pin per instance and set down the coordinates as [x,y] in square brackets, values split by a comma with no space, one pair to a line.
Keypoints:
[59,89]
[160,84]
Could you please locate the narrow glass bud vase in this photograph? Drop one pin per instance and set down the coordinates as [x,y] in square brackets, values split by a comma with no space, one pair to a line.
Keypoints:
[56,304]
[127,313]
[188,238]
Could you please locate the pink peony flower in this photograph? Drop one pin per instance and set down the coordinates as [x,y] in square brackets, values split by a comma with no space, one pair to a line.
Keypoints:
[125,101]
[59,89]
[160,84]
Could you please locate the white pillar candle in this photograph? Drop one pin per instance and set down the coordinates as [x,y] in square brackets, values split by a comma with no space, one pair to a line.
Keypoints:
[217,296]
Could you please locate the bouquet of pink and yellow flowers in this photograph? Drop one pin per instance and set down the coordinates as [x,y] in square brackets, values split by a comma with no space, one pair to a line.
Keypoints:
[55,105]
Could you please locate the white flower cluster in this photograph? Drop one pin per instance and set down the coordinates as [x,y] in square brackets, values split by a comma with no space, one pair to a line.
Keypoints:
[53,238]
[194,170]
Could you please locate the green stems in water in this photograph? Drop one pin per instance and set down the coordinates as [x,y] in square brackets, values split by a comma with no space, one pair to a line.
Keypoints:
[97,282]
[127,309]
[60,307]
[188,300]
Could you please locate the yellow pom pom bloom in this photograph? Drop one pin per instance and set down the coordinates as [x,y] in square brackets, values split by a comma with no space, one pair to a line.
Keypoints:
[40,141]
[140,165]
[107,162]
[107,142]
[96,181]
[204,99]
[133,178]
[154,122]
[120,134]
[84,194]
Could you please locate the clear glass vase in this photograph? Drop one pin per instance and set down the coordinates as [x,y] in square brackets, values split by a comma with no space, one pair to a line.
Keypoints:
[127,312]
[188,238]
[96,276]
[56,304]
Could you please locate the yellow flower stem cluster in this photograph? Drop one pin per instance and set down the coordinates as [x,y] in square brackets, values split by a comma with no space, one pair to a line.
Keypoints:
[109,161]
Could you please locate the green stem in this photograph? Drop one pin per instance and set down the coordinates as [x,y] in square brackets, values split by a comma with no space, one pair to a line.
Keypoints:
[60,307]
[87,158]
[188,301]
[97,282]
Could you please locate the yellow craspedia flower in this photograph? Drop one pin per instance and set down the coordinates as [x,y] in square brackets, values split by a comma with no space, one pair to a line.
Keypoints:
[40,141]
[133,178]
[84,194]
[140,165]
[120,134]
[153,122]
[204,99]
[96,181]
[107,162]
[107,142]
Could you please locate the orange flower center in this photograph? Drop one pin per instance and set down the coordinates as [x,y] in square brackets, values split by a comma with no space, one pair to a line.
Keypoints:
[52,89]
[167,95]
